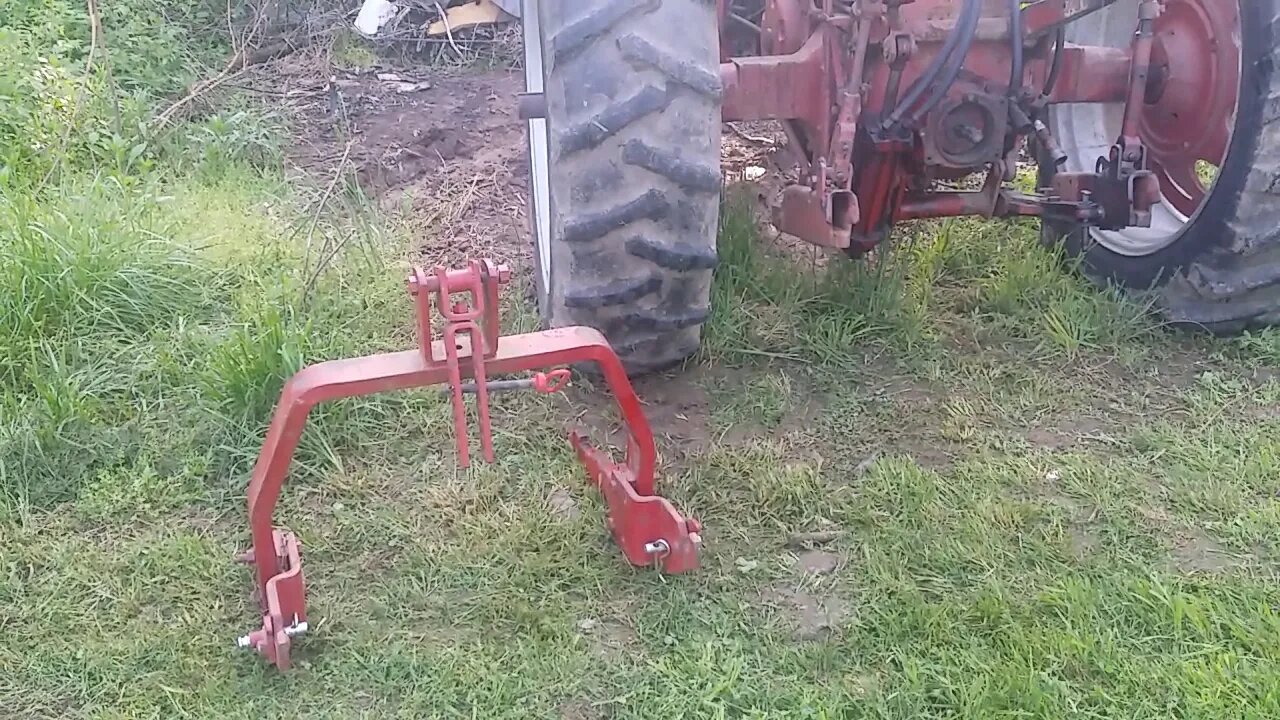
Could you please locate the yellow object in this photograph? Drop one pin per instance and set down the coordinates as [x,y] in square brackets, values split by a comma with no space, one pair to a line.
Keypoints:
[482,12]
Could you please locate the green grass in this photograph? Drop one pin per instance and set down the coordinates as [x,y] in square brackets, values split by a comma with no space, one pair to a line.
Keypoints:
[1031,526]
[1048,506]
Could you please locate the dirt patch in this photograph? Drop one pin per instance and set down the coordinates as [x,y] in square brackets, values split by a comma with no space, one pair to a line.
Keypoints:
[1082,541]
[754,152]
[817,562]
[579,710]
[1080,529]
[806,603]
[929,452]
[1067,434]
[905,392]
[608,639]
[676,405]
[680,412]
[912,398]
[443,148]
[810,616]
[1195,552]
[679,408]
[562,504]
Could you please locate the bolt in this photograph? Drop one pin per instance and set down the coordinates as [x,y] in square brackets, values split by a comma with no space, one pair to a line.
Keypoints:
[296,629]
[244,642]
[657,547]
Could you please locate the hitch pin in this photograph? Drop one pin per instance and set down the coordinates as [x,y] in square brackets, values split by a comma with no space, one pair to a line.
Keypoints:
[543,383]
[658,548]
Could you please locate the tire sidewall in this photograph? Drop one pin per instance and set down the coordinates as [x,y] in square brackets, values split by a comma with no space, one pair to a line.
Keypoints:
[541,290]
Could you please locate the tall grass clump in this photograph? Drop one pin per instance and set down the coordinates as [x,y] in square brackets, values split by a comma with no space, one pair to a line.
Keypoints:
[159,323]
[768,304]
[774,303]
[157,288]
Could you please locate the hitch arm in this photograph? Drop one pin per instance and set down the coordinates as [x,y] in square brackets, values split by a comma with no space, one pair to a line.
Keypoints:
[339,379]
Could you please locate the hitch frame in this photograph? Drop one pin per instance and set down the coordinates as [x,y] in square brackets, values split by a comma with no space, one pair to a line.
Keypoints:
[648,528]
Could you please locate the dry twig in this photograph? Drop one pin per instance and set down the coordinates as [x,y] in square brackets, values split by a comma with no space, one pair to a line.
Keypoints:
[95,26]
[756,139]
[323,258]
[448,31]
[95,20]
[805,540]
[234,68]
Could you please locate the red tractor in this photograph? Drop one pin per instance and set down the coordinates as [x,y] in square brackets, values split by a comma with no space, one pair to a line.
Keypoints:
[1152,123]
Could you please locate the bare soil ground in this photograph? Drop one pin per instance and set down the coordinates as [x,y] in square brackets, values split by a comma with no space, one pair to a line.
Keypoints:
[442,150]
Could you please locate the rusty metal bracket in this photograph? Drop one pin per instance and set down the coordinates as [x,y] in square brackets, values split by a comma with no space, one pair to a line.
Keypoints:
[648,528]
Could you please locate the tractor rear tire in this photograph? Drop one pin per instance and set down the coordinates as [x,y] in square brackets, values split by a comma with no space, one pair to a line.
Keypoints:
[1221,269]
[632,165]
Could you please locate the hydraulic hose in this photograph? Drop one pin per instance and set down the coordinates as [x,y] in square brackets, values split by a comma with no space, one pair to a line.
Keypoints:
[1055,67]
[1015,46]
[952,70]
[968,19]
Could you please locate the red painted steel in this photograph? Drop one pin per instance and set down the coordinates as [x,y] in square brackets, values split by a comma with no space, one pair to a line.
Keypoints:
[830,69]
[1192,108]
[468,347]
[783,87]
[284,603]
[648,528]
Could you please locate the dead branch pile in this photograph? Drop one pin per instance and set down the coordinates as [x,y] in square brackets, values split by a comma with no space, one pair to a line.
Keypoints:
[264,30]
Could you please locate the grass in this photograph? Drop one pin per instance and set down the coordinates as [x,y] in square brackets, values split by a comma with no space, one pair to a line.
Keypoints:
[1047,506]
[1032,525]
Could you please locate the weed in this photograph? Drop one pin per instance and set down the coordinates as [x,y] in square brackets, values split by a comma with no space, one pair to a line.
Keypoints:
[351,52]
[1262,348]
[223,143]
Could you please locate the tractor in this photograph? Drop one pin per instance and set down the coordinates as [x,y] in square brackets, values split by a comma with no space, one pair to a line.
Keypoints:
[1152,125]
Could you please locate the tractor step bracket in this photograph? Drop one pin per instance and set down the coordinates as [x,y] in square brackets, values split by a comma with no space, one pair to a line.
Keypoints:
[465,353]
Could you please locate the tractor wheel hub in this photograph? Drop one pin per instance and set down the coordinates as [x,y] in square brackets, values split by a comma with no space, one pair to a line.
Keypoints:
[1192,107]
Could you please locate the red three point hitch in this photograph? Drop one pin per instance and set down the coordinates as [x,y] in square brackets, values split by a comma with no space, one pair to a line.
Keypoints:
[465,354]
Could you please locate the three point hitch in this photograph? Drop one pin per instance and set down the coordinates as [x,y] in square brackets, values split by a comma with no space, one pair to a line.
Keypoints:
[465,354]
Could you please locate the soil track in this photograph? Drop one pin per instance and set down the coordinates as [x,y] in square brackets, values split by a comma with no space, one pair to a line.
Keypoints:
[444,149]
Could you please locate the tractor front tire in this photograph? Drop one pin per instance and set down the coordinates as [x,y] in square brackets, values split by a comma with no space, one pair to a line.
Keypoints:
[632,90]
[1220,270]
